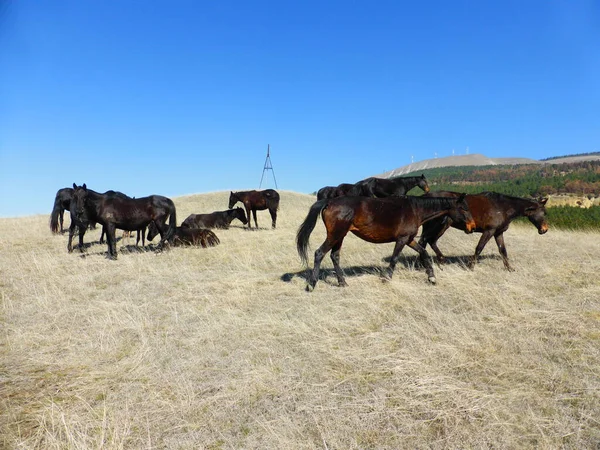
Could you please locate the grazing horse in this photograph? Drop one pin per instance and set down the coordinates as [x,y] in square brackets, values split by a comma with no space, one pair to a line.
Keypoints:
[388,187]
[217,219]
[140,233]
[394,219]
[125,213]
[492,213]
[257,201]
[62,201]
[188,236]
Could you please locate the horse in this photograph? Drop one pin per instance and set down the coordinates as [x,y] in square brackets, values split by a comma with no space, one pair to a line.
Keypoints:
[493,213]
[188,236]
[388,187]
[257,201]
[125,213]
[344,189]
[394,219]
[217,219]
[140,233]
[62,202]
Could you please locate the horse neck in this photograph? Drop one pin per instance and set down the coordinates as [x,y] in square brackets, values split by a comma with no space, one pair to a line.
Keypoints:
[431,208]
[410,182]
[518,206]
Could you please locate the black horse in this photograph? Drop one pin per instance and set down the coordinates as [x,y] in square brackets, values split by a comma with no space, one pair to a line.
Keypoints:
[62,202]
[140,233]
[124,213]
[341,190]
[493,213]
[257,201]
[388,187]
[217,219]
[394,219]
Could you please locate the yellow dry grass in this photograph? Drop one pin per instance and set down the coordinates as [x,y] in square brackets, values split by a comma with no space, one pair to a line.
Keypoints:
[222,347]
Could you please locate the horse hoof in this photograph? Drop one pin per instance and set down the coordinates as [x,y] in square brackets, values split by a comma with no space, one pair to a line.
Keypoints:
[432,280]
[342,284]
[310,288]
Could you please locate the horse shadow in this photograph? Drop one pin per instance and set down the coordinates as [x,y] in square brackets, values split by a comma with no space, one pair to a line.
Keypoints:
[352,271]
[462,261]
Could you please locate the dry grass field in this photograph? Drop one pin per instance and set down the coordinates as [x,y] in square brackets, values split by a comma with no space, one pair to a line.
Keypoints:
[222,348]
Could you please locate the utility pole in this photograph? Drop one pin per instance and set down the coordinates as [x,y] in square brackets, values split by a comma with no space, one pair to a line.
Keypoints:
[268,166]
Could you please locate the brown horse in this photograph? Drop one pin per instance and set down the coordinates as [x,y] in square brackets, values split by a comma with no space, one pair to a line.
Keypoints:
[394,219]
[492,213]
[257,201]
[184,236]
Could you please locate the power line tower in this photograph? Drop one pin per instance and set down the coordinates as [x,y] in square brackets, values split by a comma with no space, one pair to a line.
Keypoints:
[268,166]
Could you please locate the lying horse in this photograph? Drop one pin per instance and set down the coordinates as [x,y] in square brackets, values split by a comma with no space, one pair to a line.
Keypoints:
[217,219]
[394,219]
[257,201]
[492,213]
[388,187]
[188,236]
[124,213]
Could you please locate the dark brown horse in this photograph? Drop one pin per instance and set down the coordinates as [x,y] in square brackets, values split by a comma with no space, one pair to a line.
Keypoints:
[125,213]
[492,213]
[391,187]
[394,219]
[217,219]
[344,189]
[198,237]
[257,201]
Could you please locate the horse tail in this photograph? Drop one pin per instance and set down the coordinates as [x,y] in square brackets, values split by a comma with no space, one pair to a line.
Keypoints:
[55,214]
[307,227]
[172,222]
[208,239]
[272,199]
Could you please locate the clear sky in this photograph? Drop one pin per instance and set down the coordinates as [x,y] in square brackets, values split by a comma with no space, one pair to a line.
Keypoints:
[182,97]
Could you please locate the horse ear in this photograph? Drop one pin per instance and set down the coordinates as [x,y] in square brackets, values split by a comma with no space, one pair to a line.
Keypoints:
[423,176]
[84,187]
[74,186]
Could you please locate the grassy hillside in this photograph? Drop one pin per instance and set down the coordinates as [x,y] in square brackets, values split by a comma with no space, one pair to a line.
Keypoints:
[222,347]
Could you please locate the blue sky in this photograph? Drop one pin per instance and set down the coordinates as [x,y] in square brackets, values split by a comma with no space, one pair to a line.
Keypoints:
[183,97]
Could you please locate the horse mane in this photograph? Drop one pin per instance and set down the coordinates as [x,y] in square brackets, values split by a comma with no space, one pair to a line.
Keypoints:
[432,201]
[522,200]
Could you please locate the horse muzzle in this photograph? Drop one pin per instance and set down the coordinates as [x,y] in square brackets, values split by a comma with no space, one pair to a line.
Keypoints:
[470,227]
[543,229]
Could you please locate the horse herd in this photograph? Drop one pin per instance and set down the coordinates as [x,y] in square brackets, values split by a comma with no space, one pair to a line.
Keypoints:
[376,210]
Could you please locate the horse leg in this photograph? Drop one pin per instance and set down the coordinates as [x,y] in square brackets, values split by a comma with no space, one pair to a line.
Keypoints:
[248,216]
[71,233]
[81,233]
[111,240]
[425,260]
[313,276]
[335,257]
[431,233]
[485,237]
[400,243]
[255,222]
[502,249]
[273,217]
[102,235]
[60,216]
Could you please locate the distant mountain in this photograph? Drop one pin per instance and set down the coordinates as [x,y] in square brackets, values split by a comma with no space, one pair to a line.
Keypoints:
[479,160]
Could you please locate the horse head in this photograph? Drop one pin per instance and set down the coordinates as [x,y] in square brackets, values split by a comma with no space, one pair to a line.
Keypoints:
[241,215]
[422,183]
[461,213]
[537,215]
[233,199]
[78,202]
